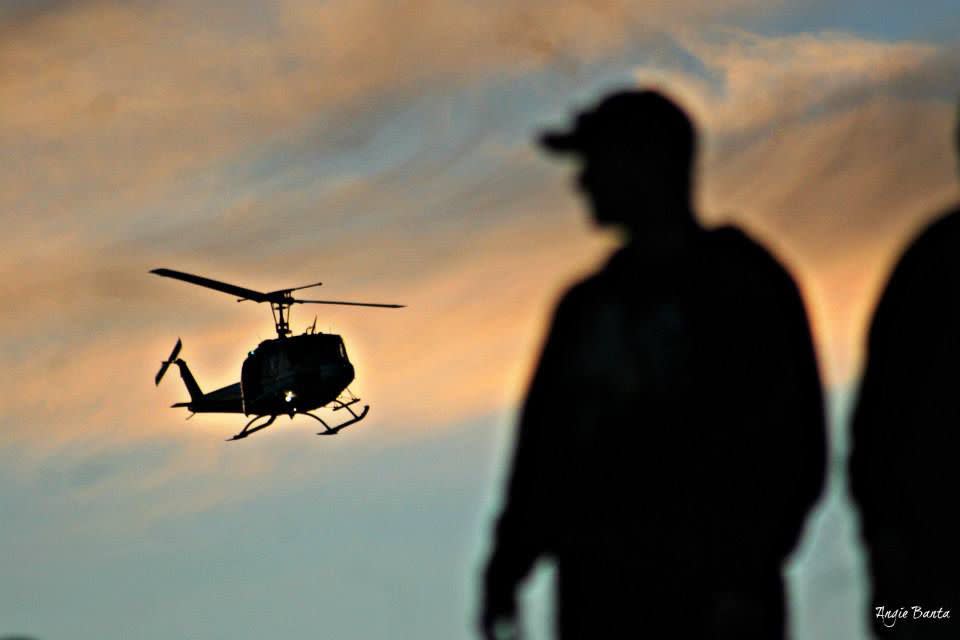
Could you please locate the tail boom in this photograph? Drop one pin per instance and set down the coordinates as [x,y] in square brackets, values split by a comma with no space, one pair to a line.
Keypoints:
[189,381]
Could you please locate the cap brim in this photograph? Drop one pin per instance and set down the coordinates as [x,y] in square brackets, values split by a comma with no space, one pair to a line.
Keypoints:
[560,142]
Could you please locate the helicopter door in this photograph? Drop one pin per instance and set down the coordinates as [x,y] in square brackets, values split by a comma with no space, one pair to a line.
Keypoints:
[251,378]
[275,366]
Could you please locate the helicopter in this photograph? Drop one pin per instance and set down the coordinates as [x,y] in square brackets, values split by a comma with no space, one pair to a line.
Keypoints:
[287,375]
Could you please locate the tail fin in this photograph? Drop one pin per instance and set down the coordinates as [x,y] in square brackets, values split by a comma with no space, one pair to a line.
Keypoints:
[189,381]
[166,363]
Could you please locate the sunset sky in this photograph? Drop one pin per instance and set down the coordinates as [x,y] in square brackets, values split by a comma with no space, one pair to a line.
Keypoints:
[385,149]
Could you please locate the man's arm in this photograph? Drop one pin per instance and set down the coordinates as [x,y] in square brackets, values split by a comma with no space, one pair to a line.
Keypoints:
[785,457]
[526,526]
[799,415]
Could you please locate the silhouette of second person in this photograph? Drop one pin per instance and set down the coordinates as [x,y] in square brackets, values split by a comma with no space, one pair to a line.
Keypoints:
[672,440]
[905,463]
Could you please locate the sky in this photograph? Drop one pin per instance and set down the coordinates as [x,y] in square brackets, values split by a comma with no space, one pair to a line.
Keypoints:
[385,149]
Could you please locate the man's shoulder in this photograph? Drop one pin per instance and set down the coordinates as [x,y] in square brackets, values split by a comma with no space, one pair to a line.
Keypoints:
[735,247]
[579,302]
[582,294]
[929,267]
[728,252]
[728,261]
[937,241]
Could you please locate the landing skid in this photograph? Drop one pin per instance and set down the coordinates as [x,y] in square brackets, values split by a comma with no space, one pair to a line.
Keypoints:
[343,405]
[332,431]
[246,431]
[329,431]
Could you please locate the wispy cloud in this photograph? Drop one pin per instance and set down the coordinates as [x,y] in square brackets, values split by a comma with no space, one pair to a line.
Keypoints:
[383,152]
[141,96]
[835,150]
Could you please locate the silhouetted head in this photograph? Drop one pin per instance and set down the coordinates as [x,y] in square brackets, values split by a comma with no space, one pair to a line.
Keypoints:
[637,151]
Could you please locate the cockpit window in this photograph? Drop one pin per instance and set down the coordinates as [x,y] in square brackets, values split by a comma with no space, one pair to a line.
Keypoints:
[317,350]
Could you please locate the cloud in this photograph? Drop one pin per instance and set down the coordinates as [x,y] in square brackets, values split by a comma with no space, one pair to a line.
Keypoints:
[746,84]
[383,152]
[433,358]
[834,149]
[108,105]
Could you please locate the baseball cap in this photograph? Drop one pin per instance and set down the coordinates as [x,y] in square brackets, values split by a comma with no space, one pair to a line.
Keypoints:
[628,120]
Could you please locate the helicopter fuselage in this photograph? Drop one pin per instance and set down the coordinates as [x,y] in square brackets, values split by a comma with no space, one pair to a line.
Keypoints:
[294,374]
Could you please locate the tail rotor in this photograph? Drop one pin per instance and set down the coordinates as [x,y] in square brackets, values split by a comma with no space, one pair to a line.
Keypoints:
[166,363]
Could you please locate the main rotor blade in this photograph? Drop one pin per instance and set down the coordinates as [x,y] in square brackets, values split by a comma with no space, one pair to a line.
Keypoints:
[281,292]
[280,295]
[352,304]
[232,289]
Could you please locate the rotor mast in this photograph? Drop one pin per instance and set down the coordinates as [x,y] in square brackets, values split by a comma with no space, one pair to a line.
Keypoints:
[281,315]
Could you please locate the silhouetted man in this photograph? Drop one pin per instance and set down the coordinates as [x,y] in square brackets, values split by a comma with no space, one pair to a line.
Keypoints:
[672,439]
[905,463]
